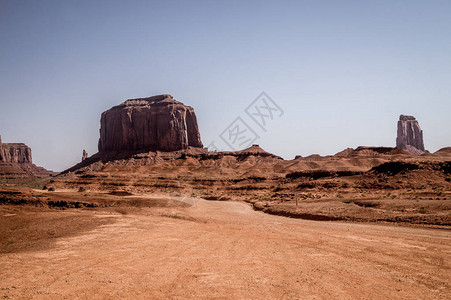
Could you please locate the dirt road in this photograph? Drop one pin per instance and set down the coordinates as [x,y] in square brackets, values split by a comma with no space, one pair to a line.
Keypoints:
[227,250]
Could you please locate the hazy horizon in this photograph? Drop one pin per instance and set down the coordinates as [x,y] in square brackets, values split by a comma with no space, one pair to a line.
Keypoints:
[342,72]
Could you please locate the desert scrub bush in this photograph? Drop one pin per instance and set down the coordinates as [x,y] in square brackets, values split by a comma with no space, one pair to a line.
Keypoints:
[348,173]
[394,167]
[86,176]
[310,174]
[165,185]
[277,189]
[7,200]
[446,167]
[329,184]
[247,188]
[306,185]
[436,188]
[256,178]
[69,204]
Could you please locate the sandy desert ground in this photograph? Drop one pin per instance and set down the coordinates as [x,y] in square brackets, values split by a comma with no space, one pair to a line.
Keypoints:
[218,150]
[245,225]
[192,248]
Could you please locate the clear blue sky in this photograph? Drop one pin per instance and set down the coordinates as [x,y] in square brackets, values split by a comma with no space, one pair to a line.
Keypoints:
[343,71]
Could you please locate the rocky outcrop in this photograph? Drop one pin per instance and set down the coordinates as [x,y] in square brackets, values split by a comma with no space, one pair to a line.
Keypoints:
[84,155]
[410,135]
[369,151]
[254,150]
[16,153]
[157,123]
[16,161]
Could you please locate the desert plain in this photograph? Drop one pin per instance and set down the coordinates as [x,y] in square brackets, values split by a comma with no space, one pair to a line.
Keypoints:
[131,232]
[171,219]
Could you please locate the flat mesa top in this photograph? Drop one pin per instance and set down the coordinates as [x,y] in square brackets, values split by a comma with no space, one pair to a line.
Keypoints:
[14,145]
[406,118]
[158,100]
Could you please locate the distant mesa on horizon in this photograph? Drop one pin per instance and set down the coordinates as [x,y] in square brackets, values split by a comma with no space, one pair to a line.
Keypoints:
[156,129]
[16,161]
[15,153]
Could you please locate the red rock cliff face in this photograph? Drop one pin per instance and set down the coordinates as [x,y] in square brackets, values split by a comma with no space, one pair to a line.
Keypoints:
[149,124]
[15,153]
[410,135]
[16,161]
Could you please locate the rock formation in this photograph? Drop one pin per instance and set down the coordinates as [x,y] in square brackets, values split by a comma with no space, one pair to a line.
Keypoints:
[16,153]
[149,124]
[16,161]
[410,135]
[84,155]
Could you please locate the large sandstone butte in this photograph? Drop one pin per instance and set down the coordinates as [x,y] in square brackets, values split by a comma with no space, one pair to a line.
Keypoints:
[410,135]
[157,123]
[16,161]
[15,153]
